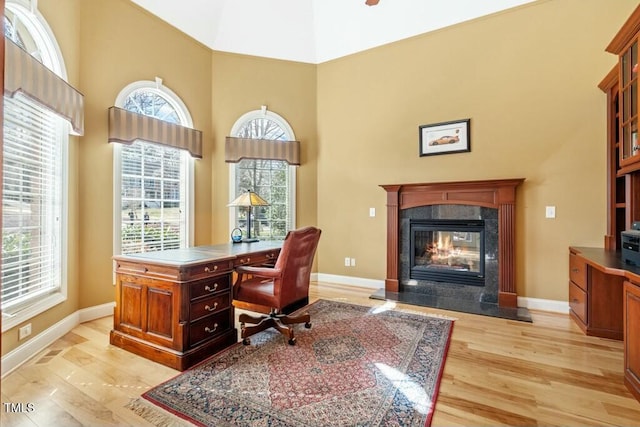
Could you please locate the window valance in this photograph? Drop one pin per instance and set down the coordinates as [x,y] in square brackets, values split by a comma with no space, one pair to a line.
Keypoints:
[126,127]
[237,149]
[25,74]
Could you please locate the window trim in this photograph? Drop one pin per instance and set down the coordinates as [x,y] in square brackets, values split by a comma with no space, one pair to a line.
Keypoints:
[292,170]
[186,120]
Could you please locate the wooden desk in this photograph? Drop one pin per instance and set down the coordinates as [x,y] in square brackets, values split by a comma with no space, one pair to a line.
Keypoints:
[174,306]
[604,296]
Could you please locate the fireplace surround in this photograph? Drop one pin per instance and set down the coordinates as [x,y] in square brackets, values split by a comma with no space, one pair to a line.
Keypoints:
[488,202]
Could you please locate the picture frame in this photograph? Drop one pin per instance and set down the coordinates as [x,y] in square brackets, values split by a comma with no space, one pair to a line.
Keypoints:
[445,137]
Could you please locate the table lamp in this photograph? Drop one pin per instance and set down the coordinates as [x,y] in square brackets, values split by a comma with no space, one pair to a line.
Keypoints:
[249,199]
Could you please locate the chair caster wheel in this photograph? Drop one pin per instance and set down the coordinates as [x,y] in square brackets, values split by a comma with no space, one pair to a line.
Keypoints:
[307,325]
[246,341]
[292,341]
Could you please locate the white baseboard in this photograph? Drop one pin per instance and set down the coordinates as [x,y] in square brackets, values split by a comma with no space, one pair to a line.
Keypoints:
[96,312]
[35,345]
[544,304]
[348,280]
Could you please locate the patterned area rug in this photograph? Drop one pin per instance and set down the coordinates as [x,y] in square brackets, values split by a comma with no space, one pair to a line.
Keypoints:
[356,366]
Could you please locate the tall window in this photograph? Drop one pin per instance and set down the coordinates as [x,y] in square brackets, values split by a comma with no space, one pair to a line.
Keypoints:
[273,180]
[34,191]
[153,182]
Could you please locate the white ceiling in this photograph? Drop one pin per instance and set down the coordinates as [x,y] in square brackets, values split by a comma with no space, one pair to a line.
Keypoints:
[313,31]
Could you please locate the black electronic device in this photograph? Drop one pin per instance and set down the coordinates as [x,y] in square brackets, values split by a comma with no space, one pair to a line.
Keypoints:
[631,246]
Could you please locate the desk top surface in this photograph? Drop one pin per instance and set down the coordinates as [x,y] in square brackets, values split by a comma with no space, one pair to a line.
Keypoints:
[199,254]
[608,261]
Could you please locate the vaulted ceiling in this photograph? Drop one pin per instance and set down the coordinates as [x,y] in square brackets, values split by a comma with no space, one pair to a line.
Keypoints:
[313,31]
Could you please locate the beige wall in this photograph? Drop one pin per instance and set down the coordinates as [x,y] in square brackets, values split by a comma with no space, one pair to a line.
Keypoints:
[527,79]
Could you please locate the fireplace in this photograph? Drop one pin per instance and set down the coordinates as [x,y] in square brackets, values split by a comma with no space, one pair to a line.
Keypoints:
[453,243]
[449,251]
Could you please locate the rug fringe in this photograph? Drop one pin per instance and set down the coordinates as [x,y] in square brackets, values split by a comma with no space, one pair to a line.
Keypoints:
[155,415]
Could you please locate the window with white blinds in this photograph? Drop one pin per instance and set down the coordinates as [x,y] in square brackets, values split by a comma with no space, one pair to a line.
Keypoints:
[153,191]
[32,202]
[153,182]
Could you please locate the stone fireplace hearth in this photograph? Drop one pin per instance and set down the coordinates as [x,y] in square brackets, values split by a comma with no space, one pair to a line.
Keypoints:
[476,221]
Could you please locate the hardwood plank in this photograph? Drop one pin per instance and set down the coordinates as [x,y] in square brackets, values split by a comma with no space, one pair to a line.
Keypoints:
[498,372]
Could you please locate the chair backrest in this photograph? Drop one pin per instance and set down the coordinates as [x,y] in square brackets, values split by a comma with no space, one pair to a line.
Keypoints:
[295,262]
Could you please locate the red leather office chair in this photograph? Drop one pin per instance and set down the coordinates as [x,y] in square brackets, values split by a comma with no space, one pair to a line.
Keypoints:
[275,291]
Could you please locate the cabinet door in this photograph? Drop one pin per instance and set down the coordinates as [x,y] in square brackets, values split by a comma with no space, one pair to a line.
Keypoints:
[632,338]
[630,152]
[147,309]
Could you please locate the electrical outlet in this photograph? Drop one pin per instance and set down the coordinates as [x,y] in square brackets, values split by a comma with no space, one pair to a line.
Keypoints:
[24,332]
[353,262]
[347,262]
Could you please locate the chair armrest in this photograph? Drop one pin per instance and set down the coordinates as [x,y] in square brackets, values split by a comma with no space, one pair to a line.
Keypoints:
[259,271]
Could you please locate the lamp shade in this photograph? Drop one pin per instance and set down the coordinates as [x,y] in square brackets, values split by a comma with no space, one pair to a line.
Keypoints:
[249,198]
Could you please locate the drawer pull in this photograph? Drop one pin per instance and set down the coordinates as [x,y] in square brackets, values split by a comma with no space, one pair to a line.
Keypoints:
[215,305]
[208,329]
[271,256]
[208,270]
[245,261]
[575,270]
[208,288]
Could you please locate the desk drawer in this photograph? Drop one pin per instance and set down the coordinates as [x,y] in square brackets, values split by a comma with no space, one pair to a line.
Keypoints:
[578,271]
[259,258]
[209,269]
[211,286]
[207,306]
[578,301]
[209,327]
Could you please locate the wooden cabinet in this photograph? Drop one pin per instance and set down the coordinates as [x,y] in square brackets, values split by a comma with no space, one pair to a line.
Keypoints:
[595,296]
[623,154]
[174,307]
[632,337]
[625,45]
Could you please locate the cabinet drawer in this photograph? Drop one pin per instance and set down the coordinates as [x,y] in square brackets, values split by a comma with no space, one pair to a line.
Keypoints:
[578,301]
[260,258]
[207,306]
[211,286]
[578,271]
[208,327]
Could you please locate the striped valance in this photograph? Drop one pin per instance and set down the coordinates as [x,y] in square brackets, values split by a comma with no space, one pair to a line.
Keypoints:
[25,74]
[127,127]
[237,149]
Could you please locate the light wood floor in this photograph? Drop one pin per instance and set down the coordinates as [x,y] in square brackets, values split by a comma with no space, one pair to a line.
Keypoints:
[498,372]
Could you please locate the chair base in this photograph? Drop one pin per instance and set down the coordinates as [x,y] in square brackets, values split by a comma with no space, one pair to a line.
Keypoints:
[273,320]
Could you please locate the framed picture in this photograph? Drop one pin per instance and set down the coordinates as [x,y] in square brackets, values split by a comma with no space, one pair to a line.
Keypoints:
[445,138]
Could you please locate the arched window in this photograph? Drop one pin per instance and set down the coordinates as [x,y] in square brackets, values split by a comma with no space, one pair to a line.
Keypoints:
[273,180]
[153,182]
[34,186]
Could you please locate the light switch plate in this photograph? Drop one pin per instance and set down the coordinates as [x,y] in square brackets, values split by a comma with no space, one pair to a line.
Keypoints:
[550,212]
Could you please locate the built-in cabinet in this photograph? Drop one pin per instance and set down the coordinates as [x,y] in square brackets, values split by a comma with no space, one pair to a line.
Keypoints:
[604,291]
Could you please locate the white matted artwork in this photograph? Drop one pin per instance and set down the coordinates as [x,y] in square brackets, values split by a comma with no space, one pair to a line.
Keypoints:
[445,138]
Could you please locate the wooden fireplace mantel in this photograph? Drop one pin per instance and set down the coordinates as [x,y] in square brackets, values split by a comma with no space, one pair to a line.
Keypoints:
[498,193]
